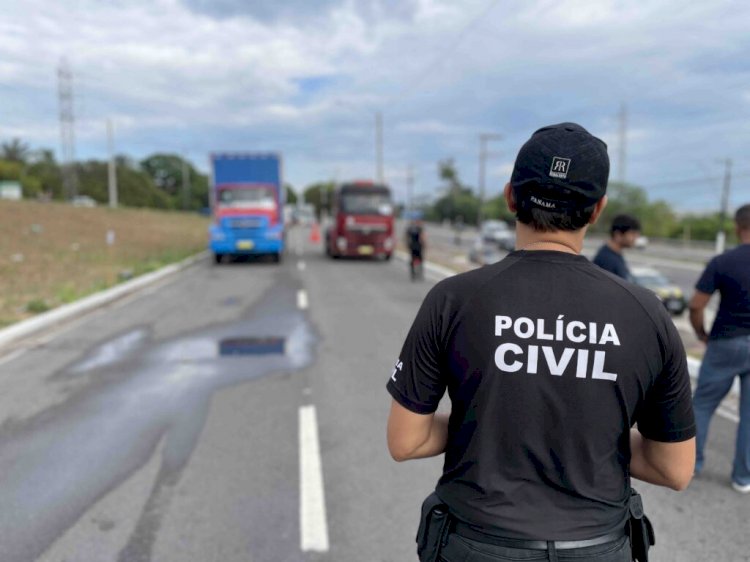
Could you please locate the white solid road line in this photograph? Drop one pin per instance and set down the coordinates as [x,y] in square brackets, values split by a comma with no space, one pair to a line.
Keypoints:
[302,302]
[312,506]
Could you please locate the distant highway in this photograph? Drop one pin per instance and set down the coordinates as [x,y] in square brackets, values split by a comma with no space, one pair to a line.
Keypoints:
[170,427]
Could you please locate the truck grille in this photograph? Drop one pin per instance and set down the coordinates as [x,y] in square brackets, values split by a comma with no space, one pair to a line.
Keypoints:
[245,223]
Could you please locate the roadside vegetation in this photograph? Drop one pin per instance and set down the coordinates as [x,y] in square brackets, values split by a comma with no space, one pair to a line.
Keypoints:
[55,253]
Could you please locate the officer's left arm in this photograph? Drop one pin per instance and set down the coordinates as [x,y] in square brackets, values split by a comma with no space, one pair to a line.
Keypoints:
[415,436]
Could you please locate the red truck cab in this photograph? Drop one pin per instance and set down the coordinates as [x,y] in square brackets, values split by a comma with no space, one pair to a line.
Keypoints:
[362,222]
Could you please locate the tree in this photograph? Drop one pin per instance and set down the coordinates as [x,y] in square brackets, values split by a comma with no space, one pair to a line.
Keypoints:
[657,218]
[44,168]
[15,150]
[320,195]
[135,188]
[165,171]
[291,195]
[459,203]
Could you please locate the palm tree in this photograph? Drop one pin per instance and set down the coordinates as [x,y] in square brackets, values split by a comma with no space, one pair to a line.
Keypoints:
[15,151]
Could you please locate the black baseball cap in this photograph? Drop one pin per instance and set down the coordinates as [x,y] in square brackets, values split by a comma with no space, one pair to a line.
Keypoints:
[561,167]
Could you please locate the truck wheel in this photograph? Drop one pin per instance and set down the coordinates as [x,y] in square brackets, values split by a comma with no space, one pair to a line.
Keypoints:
[218,258]
[388,257]
[277,257]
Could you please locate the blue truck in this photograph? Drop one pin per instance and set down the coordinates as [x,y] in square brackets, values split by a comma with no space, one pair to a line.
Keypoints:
[247,200]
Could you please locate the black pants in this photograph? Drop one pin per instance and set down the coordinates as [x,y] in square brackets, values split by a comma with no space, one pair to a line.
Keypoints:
[416,257]
[461,549]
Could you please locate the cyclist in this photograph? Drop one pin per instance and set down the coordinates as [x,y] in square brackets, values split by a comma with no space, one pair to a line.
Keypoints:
[416,244]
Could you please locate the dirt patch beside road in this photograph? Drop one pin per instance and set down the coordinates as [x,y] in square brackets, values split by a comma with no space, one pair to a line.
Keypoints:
[53,253]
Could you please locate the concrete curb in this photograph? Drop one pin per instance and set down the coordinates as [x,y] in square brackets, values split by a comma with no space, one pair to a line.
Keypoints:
[67,311]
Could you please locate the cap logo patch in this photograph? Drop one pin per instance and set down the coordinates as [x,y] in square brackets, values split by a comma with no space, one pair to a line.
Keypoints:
[543,203]
[559,167]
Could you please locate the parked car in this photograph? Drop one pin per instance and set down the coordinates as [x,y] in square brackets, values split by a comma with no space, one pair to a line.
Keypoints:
[484,253]
[669,293]
[641,242]
[83,201]
[500,233]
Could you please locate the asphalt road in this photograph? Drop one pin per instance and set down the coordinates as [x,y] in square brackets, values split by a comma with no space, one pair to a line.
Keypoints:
[128,436]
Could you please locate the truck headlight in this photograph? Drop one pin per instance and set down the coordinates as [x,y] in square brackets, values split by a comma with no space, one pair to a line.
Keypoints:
[218,235]
[388,244]
[341,243]
[275,235]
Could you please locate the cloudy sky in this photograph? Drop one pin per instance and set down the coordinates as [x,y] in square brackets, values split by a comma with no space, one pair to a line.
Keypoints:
[306,78]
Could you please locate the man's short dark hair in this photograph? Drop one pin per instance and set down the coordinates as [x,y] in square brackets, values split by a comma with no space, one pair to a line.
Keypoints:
[624,223]
[542,220]
[742,217]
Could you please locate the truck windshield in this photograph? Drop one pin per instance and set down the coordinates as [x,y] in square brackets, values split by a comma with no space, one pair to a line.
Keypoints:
[366,204]
[262,197]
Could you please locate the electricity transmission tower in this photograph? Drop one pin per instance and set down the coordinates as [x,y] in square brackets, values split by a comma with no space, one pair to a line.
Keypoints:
[67,129]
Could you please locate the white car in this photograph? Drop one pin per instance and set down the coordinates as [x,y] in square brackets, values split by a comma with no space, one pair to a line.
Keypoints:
[499,233]
[83,201]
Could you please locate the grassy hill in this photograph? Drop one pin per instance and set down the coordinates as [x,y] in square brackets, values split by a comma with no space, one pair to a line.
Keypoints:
[54,253]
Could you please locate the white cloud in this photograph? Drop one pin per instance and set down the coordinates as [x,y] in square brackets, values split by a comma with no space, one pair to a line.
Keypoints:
[441,71]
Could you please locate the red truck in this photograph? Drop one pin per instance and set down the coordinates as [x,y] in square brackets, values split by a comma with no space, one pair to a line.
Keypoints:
[362,221]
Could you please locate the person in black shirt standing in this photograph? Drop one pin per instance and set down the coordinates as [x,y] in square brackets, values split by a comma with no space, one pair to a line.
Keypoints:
[728,350]
[624,232]
[548,362]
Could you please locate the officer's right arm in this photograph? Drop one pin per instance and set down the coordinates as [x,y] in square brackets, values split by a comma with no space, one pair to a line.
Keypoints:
[415,436]
[663,464]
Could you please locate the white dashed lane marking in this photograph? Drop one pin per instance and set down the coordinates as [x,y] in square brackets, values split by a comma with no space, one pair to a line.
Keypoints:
[312,507]
[302,302]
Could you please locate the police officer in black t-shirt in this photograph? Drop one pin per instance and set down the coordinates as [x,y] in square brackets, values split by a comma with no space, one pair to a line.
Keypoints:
[549,363]
[622,234]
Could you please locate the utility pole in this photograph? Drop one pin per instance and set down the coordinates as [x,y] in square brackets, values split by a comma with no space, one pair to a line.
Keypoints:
[623,143]
[379,146]
[484,138]
[409,187]
[721,235]
[185,183]
[112,166]
[67,129]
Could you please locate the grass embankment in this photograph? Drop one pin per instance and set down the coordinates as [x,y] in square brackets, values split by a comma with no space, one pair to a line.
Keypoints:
[53,253]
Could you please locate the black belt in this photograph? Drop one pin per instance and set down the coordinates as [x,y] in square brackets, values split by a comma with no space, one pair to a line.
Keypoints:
[468,532]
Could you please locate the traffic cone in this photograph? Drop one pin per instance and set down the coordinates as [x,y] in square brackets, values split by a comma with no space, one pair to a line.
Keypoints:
[315,233]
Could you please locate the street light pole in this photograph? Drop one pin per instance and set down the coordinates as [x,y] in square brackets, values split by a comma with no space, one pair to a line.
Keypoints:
[379,146]
[721,235]
[111,167]
[484,138]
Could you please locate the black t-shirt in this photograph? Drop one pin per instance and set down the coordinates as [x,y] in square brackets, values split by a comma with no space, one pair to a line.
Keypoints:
[548,361]
[729,274]
[611,261]
[414,238]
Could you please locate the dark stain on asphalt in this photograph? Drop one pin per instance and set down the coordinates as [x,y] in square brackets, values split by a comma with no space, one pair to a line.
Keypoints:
[139,394]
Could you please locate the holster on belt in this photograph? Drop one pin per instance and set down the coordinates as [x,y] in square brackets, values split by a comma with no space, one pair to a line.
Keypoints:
[641,531]
[434,527]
